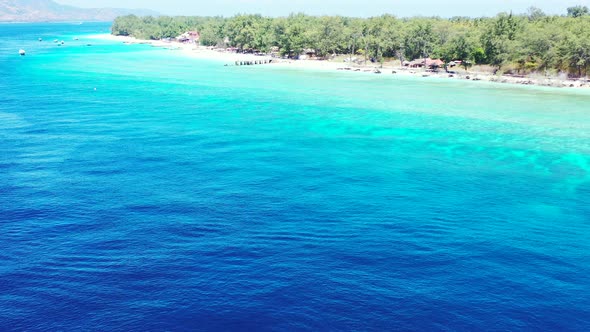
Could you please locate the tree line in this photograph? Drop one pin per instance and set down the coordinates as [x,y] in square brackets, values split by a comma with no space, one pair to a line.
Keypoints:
[525,43]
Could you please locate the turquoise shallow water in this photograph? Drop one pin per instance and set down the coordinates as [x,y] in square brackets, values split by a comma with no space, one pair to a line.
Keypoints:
[143,190]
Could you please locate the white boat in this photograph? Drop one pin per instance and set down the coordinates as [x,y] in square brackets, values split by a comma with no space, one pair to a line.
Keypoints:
[21,52]
[40,39]
[55,40]
[62,42]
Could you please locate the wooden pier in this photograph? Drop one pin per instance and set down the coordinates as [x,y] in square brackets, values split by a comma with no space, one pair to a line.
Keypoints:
[252,62]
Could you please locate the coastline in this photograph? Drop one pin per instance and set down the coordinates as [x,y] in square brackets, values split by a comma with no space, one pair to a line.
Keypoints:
[229,59]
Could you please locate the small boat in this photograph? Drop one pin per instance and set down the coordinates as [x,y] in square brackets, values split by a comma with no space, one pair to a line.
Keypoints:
[40,39]
[76,38]
[21,52]
[55,40]
[62,42]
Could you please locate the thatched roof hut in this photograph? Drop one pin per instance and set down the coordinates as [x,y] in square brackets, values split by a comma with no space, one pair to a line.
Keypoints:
[427,62]
[432,63]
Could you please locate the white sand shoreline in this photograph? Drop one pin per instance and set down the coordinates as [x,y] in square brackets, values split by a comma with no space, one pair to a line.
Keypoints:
[229,59]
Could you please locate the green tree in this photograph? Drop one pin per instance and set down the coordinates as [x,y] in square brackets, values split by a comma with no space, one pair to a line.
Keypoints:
[535,14]
[213,32]
[498,39]
[577,11]
[419,40]
[242,31]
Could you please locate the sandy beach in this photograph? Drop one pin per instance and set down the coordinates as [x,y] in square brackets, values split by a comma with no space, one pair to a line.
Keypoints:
[230,59]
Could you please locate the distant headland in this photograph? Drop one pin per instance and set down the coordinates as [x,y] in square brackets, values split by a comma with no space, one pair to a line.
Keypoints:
[51,11]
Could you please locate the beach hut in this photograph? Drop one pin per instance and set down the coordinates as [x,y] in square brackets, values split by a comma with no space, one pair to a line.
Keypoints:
[427,62]
[194,36]
[182,38]
[189,37]
[308,53]
[455,63]
[416,64]
[434,63]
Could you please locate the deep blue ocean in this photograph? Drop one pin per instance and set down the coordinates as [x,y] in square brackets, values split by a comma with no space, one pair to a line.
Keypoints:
[143,190]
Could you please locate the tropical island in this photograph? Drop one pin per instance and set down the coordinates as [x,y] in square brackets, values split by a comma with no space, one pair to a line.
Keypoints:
[507,44]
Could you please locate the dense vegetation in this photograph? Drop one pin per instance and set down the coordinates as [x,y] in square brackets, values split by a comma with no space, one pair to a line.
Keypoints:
[533,42]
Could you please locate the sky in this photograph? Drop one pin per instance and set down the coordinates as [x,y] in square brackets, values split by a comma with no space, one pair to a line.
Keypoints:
[359,8]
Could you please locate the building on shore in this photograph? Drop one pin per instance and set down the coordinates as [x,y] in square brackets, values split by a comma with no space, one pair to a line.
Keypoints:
[189,37]
[425,63]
